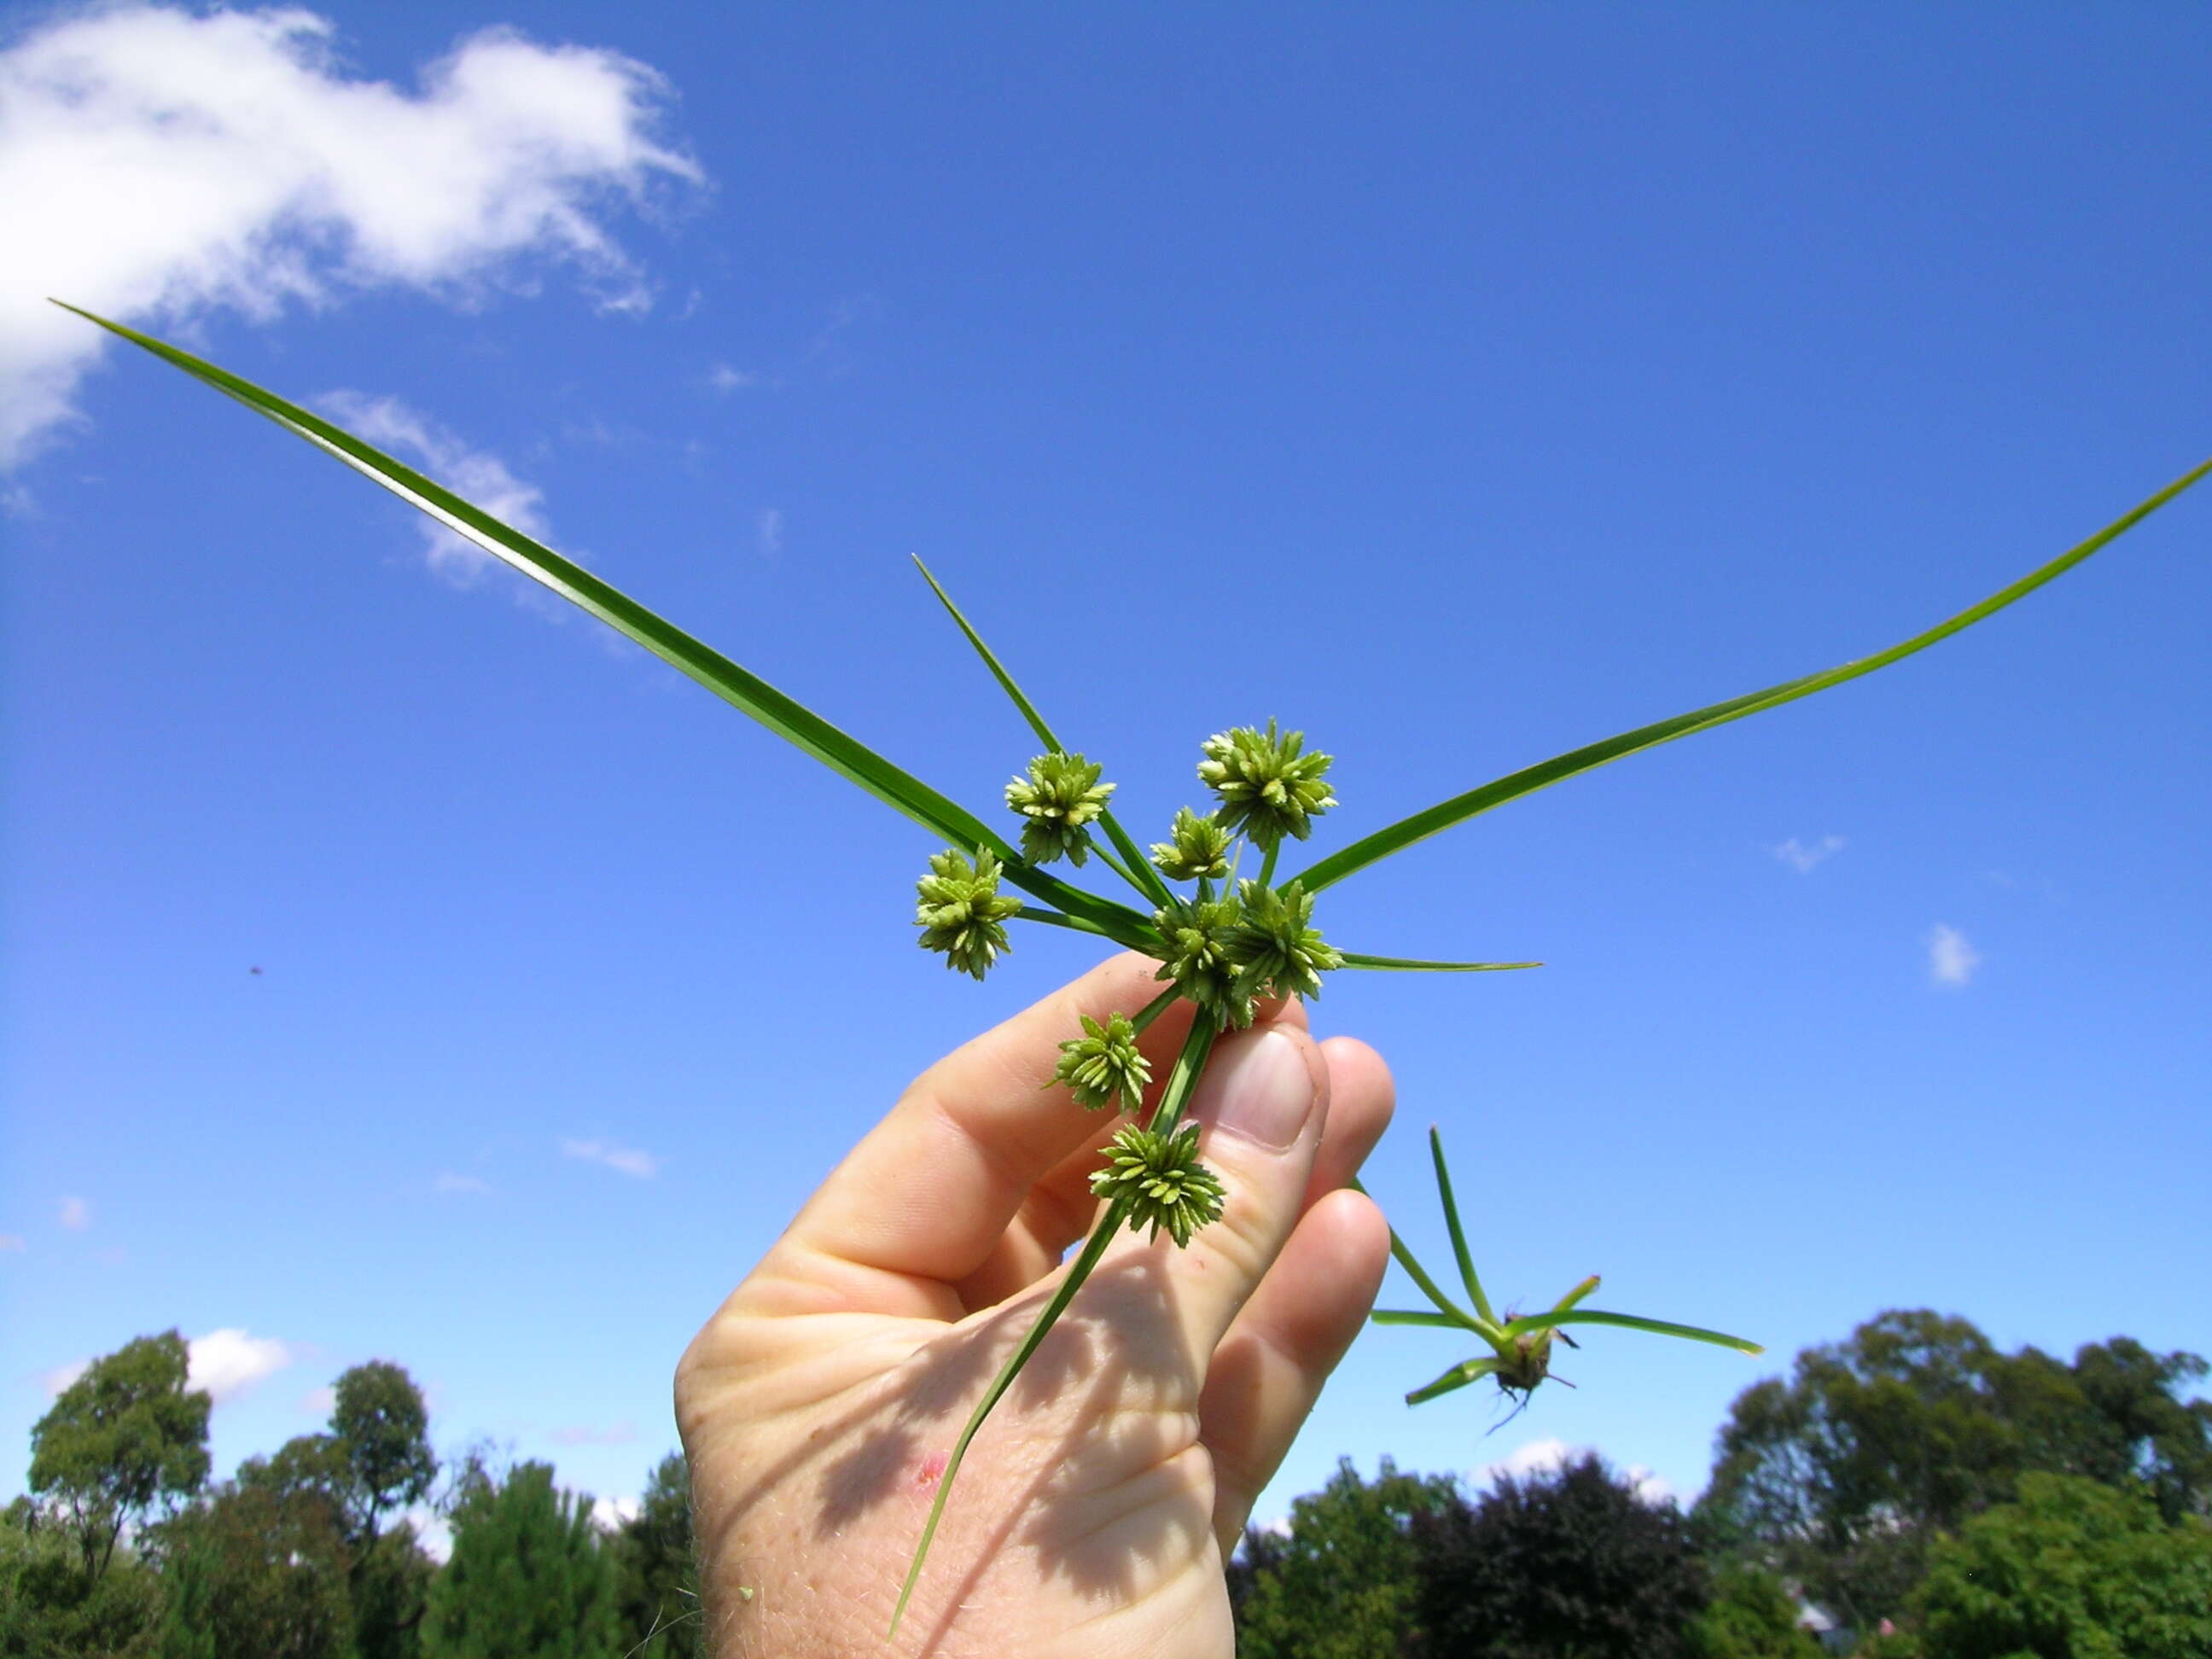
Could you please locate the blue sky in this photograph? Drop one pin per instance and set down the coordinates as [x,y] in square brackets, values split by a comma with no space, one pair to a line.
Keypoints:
[1457,384]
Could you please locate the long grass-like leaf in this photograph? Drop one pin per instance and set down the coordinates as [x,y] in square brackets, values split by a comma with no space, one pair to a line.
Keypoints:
[1414,1316]
[748,692]
[1140,874]
[1403,834]
[1415,965]
[1630,1322]
[1466,1371]
[1459,1252]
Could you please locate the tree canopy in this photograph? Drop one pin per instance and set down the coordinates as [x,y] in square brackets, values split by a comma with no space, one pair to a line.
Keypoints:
[126,1439]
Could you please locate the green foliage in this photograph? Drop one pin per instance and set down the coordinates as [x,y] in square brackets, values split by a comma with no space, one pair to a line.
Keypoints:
[126,1439]
[528,1577]
[1751,1615]
[47,1611]
[382,1424]
[2072,1569]
[259,1572]
[1843,1474]
[656,1577]
[1345,1583]
[1570,1563]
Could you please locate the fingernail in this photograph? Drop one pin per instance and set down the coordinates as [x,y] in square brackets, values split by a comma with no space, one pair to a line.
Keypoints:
[1266,1093]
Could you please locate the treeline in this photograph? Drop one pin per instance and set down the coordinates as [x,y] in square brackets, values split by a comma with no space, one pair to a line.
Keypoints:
[126,1549]
[1931,1496]
[1935,1497]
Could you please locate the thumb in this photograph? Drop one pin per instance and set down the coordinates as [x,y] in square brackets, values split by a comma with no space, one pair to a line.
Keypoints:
[1260,1109]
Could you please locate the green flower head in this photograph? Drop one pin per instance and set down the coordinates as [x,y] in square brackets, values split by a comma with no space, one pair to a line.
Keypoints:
[962,912]
[1266,788]
[1161,1180]
[1103,1065]
[1199,849]
[1273,944]
[1196,956]
[1059,796]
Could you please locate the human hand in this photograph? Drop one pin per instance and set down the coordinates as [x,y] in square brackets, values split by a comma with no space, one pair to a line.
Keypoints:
[1097,1506]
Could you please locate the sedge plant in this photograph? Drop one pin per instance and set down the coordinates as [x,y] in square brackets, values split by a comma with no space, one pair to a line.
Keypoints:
[1224,941]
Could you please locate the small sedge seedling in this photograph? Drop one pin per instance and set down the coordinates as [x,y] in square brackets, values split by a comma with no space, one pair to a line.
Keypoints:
[1224,941]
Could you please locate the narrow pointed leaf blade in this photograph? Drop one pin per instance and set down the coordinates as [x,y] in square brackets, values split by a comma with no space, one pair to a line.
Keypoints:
[1397,837]
[1142,875]
[1415,965]
[782,714]
[1459,1252]
[1470,1370]
[1413,1316]
[1630,1322]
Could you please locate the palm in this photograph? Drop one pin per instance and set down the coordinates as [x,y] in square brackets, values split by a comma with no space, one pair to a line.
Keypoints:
[818,1404]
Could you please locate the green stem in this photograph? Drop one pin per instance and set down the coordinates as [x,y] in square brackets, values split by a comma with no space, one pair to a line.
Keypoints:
[1267,864]
[1181,1081]
[1153,1010]
[1112,864]
[1153,885]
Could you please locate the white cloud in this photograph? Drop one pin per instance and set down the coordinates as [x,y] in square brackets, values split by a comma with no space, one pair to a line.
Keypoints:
[612,1514]
[10,1242]
[1540,1457]
[1951,960]
[75,1214]
[61,1377]
[447,1181]
[770,534]
[723,378]
[618,1434]
[320,1402]
[228,1361]
[161,164]
[628,1160]
[1802,857]
[473,474]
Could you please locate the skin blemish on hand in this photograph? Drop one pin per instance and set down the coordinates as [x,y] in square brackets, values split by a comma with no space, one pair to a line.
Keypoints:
[930,1470]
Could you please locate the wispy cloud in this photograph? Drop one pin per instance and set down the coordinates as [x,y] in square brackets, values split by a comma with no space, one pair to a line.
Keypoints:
[1540,1457]
[10,1242]
[1803,857]
[162,162]
[447,1181]
[628,1160]
[75,1214]
[769,534]
[615,1434]
[228,1361]
[474,474]
[724,378]
[1951,960]
[320,1402]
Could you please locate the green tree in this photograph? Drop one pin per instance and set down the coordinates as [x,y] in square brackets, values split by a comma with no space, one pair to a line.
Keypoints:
[256,1572]
[657,1583]
[1569,1563]
[48,1610]
[380,1421]
[528,1577]
[2073,1569]
[374,1460]
[1751,1615]
[1344,1582]
[125,1441]
[1843,1474]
